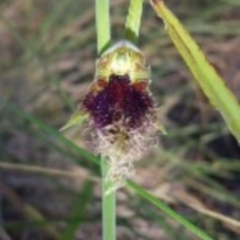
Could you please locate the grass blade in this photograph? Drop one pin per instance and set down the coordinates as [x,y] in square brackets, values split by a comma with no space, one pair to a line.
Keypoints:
[52,18]
[168,211]
[48,130]
[78,211]
[210,82]
[25,45]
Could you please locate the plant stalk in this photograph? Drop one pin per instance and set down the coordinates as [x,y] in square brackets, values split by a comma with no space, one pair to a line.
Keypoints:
[102,25]
[108,200]
[108,205]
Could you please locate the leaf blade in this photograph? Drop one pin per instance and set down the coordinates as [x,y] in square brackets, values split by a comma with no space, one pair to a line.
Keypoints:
[210,82]
[168,211]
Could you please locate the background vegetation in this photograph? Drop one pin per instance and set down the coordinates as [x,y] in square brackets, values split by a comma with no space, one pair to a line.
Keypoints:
[48,190]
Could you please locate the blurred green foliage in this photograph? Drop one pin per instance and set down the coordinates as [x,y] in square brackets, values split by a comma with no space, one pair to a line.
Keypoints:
[48,52]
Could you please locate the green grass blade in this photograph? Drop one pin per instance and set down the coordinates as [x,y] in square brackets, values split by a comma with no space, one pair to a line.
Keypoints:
[45,128]
[78,211]
[168,211]
[52,18]
[25,45]
[210,82]
[133,20]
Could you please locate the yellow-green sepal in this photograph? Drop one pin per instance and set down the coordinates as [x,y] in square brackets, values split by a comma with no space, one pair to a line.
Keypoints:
[77,118]
[162,129]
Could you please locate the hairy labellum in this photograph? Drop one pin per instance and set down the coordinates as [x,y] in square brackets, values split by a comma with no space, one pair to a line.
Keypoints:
[122,113]
[119,101]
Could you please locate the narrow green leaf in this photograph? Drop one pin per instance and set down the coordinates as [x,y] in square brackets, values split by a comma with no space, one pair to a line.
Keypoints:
[210,82]
[168,211]
[133,20]
[45,128]
[52,17]
[77,118]
[23,43]
[78,211]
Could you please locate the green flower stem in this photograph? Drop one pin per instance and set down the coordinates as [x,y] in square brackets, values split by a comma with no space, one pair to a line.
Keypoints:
[108,205]
[108,200]
[102,25]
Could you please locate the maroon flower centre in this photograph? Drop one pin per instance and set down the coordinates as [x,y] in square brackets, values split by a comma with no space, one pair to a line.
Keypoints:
[118,101]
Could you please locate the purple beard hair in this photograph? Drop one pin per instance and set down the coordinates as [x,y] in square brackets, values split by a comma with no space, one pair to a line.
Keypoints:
[119,100]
